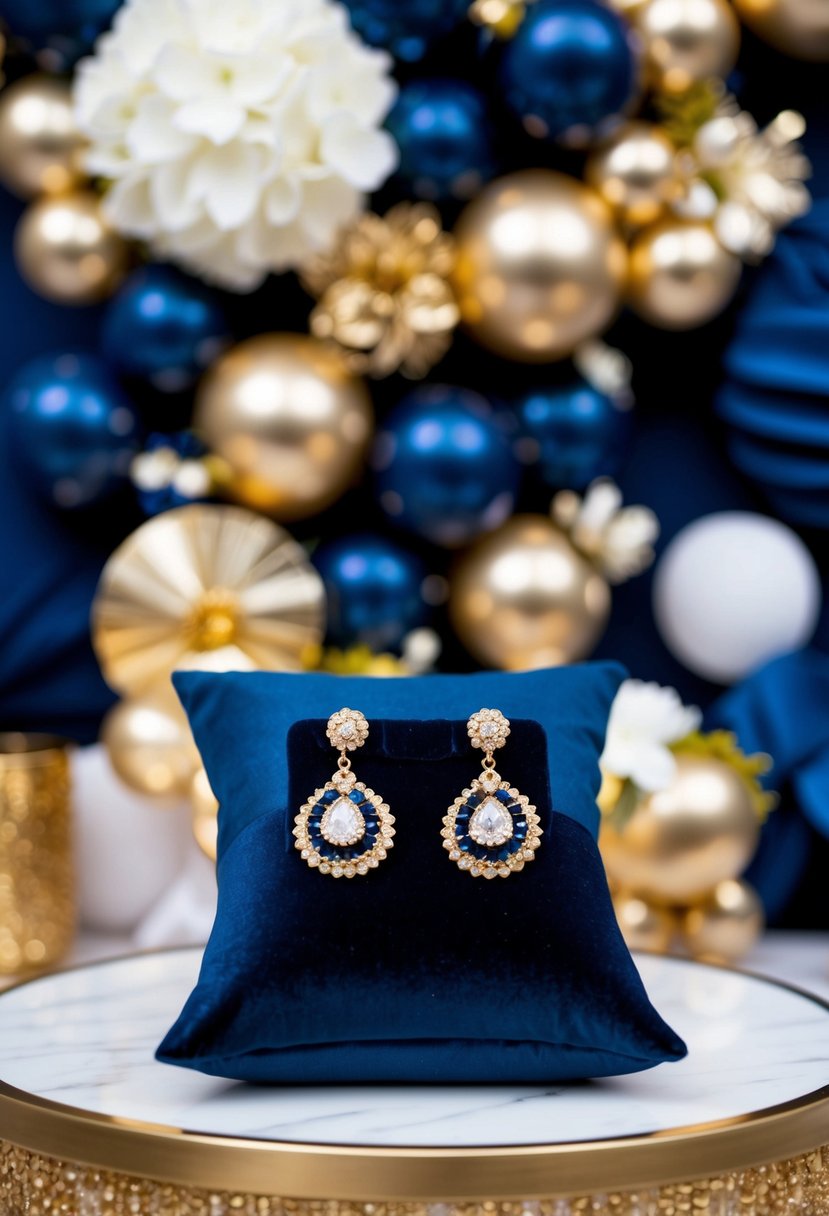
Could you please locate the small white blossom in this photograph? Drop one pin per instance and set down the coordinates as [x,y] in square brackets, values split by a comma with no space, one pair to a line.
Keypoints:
[645,719]
[619,539]
[237,136]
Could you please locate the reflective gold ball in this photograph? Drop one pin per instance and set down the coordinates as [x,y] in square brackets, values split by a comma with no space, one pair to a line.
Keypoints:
[680,275]
[726,925]
[289,419]
[680,842]
[41,148]
[799,28]
[540,266]
[645,926]
[523,597]
[67,252]
[636,173]
[205,814]
[149,744]
[688,40]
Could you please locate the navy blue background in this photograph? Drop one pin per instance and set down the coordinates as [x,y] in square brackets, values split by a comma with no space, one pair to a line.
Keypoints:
[679,463]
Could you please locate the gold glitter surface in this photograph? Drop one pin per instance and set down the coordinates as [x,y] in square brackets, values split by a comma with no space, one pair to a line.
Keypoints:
[31,1185]
[37,914]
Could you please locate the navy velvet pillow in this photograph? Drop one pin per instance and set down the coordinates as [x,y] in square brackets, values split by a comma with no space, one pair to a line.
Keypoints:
[415,972]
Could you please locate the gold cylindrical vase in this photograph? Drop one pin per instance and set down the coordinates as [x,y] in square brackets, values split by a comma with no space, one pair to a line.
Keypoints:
[37,889]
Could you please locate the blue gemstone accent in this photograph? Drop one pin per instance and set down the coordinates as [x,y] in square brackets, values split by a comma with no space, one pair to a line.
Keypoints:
[504,796]
[328,797]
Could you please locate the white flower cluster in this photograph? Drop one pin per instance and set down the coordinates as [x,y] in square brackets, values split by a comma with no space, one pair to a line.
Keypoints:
[645,719]
[237,136]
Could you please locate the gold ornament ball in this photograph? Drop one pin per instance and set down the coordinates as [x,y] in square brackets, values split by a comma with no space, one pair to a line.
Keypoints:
[205,808]
[289,419]
[680,275]
[688,40]
[799,28]
[645,926]
[67,252]
[725,926]
[41,148]
[540,266]
[523,597]
[681,841]
[150,745]
[636,173]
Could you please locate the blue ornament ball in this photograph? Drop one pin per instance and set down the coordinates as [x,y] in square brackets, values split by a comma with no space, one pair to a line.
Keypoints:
[445,469]
[164,329]
[72,429]
[67,28]
[406,27]
[374,589]
[570,69]
[575,433]
[443,132]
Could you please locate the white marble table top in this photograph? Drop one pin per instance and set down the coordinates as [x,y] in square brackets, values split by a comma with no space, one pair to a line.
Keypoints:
[85,1039]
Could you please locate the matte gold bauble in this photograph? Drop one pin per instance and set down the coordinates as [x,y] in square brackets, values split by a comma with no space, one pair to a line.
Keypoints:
[688,40]
[680,275]
[726,925]
[205,814]
[209,587]
[539,267]
[41,148]
[636,173]
[290,420]
[799,28]
[523,597]
[681,841]
[644,926]
[67,252]
[150,744]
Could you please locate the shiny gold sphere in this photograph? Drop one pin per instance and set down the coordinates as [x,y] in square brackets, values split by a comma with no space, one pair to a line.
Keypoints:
[636,173]
[67,252]
[289,419]
[150,745]
[205,814]
[540,266]
[523,597]
[726,925]
[41,148]
[799,28]
[680,275]
[688,40]
[680,842]
[645,926]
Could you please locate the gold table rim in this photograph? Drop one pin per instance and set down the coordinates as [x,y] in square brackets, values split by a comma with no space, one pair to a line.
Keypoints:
[367,1173]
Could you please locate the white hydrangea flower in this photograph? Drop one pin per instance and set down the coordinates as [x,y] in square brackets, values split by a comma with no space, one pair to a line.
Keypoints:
[237,136]
[644,720]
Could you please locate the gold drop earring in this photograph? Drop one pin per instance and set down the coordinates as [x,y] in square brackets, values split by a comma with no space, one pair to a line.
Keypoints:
[344,829]
[490,829]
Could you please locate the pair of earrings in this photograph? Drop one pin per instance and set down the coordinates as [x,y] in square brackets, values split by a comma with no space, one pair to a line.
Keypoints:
[345,829]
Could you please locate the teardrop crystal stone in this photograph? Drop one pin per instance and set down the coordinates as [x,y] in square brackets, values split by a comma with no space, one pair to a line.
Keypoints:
[491,824]
[343,823]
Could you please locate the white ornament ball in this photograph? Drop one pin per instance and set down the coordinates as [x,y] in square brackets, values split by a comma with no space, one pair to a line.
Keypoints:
[734,590]
[128,849]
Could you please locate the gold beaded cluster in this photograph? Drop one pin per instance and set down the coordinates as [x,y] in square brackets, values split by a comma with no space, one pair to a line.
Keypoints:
[31,1185]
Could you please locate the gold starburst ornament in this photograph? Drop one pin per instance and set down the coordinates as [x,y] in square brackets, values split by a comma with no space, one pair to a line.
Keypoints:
[205,586]
[384,294]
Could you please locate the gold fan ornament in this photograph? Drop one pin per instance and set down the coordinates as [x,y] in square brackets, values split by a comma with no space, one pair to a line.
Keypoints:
[206,586]
[384,295]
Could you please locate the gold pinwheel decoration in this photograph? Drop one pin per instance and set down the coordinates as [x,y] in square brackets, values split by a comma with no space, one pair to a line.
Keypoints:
[384,293]
[205,586]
